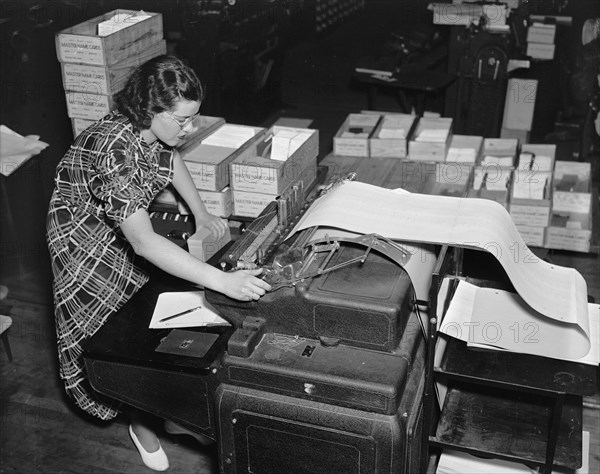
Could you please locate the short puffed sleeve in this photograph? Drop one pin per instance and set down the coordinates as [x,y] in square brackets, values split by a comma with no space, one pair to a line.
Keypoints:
[118,181]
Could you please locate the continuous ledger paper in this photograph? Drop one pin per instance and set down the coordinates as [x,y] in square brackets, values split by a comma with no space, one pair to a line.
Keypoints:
[557,292]
[497,319]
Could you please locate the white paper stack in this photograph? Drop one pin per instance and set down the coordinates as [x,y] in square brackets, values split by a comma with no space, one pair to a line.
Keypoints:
[230,136]
[120,21]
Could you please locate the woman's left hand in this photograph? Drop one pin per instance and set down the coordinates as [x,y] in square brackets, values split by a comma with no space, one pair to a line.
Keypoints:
[215,224]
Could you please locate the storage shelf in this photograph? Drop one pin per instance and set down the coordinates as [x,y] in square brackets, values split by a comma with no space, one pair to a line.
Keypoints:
[517,371]
[508,425]
[500,404]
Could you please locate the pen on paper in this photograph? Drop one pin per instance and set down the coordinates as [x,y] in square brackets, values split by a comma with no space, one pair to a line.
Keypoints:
[173,316]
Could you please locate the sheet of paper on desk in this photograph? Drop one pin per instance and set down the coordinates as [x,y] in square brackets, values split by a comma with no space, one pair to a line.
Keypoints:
[171,303]
[457,462]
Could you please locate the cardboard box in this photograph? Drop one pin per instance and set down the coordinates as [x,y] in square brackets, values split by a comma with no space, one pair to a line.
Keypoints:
[491,183]
[530,198]
[519,104]
[572,187]
[79,125]
[465,149]
[540,50]
[425,177]
[251,204]
[86,106]
[218,203]
[431,139]
[106,79]
[541,33]
[203,245]
[451,179]
[499,152]
[533,236]
[209,165]
[569,231]
[391,136]
[537,157]
[253,171]
[204,125]
[82,44]
[352,138]
[521,135]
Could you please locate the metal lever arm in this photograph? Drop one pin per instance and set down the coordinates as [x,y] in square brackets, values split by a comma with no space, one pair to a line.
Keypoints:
[289,275]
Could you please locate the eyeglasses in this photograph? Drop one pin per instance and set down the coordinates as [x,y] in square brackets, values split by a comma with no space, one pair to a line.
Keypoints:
[182,123]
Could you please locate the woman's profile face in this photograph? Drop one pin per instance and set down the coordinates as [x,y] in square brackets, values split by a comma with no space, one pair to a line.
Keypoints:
[171,127]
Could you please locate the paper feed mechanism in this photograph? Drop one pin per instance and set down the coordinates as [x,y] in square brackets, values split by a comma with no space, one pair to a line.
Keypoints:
[349,290]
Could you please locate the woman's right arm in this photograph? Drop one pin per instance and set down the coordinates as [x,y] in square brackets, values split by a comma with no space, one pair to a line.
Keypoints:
[169,257]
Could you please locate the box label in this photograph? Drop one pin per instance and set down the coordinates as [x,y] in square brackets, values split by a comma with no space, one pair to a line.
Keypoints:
[89,79]
[81,49]
[568,239]
[579,203]
[530,215]
[218,203]
[532,235]
[249,204]
[87,106]
[351,146]
[203,175]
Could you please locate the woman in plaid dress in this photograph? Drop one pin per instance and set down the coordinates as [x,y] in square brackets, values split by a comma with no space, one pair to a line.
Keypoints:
[99,233]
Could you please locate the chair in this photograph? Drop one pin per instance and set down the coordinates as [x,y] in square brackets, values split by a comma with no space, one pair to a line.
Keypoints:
[5,323]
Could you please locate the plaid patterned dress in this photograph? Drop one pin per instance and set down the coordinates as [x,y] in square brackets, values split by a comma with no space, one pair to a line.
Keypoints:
[107,175]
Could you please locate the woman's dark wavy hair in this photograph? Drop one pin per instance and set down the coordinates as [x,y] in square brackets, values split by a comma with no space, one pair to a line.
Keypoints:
[155,87]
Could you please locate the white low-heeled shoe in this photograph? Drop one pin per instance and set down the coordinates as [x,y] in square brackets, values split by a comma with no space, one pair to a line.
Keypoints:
[157,460]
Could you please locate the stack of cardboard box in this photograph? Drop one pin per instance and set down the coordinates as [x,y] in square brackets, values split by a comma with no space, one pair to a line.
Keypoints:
[531,192]
[280,165]
[98,55]
[540,41]
[208,162]
[571,220]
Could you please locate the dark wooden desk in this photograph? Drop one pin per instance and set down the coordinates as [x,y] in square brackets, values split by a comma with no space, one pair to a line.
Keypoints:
[420,82]
[121,362]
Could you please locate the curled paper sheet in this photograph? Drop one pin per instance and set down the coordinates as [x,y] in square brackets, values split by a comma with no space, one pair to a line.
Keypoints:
[496,319]
[16,149]
[556,292]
